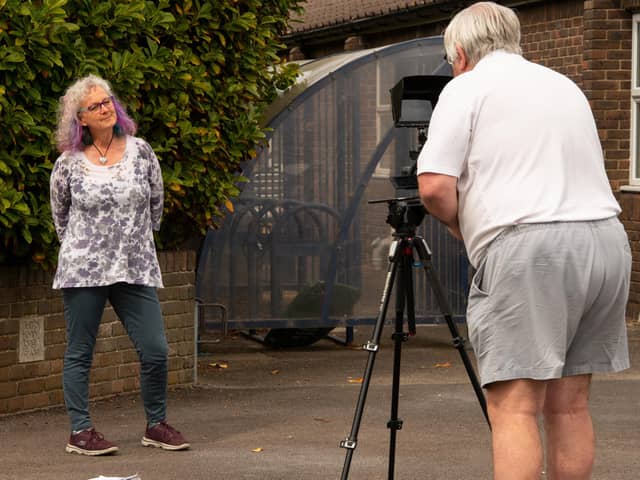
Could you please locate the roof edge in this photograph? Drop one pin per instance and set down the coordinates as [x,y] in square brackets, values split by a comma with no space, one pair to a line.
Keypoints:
[405,17]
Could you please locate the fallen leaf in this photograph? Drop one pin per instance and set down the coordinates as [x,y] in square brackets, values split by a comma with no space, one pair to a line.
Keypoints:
[443,365]
[220,364]
[322,420]
[355,380]
[257,450]
[275,372]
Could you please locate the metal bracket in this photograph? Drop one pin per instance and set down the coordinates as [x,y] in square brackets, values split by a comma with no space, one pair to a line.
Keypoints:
[403,336]
[348,444]
[370,346]
[395,424]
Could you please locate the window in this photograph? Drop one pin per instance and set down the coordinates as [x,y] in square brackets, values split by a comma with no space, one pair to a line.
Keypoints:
[635,103]
[383,114]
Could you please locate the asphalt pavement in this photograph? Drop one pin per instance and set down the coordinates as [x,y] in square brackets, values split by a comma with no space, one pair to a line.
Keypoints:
[260,413]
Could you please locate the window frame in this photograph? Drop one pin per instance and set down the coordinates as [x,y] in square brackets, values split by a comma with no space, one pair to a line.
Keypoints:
[382,110]
[634,146]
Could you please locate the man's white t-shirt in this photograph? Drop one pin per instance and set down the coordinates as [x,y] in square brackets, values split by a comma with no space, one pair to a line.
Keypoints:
[522,141]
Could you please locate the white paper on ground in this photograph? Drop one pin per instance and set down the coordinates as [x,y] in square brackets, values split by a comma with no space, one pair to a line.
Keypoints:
[131,477]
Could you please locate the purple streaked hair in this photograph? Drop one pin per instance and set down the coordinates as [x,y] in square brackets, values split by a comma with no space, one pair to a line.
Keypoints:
[69,131]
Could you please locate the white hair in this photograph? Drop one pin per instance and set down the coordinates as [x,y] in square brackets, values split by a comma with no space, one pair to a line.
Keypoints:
[481,29]
[66,134]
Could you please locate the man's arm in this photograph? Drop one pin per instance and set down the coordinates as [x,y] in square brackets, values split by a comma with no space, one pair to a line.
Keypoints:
[439,195]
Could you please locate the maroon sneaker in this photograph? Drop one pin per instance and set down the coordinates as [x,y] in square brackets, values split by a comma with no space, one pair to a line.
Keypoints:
[90,442]
[164,436]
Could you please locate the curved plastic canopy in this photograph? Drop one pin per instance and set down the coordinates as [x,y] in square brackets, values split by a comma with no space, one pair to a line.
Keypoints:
[303,247]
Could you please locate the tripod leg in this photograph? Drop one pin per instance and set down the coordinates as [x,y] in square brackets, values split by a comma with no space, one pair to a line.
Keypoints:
[351,441]
[458,342]
[404,302]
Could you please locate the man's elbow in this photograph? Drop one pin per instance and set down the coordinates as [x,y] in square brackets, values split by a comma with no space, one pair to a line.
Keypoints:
[438,194]
[430,196]
[435,188]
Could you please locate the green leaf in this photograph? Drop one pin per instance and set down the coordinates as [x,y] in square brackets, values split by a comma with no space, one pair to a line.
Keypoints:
[22,208]
[194,75]
[26,234]
[14,56]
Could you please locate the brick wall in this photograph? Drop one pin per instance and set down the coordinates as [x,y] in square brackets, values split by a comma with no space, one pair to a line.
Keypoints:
[607,81]
[607,84]
[630,217]
[552,35]
[32,338]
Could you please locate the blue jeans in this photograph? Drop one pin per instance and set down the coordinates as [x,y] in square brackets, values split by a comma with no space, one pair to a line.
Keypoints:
[138,309]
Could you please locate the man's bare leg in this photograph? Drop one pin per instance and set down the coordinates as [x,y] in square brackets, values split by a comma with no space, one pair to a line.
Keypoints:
[514,407]
[568,429]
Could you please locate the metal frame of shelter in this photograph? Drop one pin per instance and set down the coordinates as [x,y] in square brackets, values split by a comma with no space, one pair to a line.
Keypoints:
[303,249]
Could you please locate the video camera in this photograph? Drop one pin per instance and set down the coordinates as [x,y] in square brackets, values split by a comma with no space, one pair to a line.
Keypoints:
[413,99]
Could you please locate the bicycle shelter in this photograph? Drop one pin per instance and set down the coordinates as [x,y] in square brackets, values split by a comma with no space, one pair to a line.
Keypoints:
[303,248]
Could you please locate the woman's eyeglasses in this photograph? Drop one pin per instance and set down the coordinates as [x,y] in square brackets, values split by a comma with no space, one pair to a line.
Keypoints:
[94,107]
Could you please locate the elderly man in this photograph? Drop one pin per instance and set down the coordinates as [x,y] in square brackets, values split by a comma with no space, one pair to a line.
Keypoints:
[513,166]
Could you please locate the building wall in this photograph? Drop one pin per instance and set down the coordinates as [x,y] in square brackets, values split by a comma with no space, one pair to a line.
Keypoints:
[590,42]
[552,35]
[32,338]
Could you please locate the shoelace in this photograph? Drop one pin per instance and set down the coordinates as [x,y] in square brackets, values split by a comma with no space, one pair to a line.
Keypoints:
[168,430]
[95,436]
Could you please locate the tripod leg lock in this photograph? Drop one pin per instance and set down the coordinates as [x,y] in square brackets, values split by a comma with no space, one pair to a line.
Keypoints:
[458,342]
[348,444]
[403,336]
[370,346]
[395,424]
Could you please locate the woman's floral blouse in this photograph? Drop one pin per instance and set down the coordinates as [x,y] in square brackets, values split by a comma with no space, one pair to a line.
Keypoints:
[104,216]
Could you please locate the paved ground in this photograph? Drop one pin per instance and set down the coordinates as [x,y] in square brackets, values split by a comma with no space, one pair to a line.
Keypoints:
[295,406]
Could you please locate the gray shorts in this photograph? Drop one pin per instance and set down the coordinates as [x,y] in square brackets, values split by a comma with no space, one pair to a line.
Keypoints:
[549,300]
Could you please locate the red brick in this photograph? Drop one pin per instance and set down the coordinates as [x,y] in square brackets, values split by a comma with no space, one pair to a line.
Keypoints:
[8,389]
[117,386]
[107,359]
[39,400]
[15,404]
[128,370]
[105,345]
[9,326]
[53,382]
[55,337]
[56,397]
[54,322]
[131,384]
[104,374]
[56,365]
[52,352]
[30,386]
[100,389]
[8,358]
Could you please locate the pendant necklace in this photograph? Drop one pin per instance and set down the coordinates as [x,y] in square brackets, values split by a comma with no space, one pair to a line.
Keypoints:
[103,156]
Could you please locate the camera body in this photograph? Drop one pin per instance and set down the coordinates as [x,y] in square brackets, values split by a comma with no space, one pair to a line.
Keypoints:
[413,99]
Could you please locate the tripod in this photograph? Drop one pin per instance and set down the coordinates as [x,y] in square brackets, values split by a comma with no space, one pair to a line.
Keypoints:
[405,214]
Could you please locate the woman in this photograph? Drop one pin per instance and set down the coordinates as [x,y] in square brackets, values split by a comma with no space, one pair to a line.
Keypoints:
[106,197]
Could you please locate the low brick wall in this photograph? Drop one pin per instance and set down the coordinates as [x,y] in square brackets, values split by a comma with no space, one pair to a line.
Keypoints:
[630,216]
[32,337]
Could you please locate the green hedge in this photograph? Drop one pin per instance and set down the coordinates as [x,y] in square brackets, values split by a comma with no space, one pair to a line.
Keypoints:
[195,75]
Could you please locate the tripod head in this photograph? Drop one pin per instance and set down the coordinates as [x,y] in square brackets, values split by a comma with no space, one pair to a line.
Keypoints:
[405,214]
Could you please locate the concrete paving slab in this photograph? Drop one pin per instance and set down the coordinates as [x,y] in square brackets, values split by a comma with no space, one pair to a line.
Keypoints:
[280,415]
